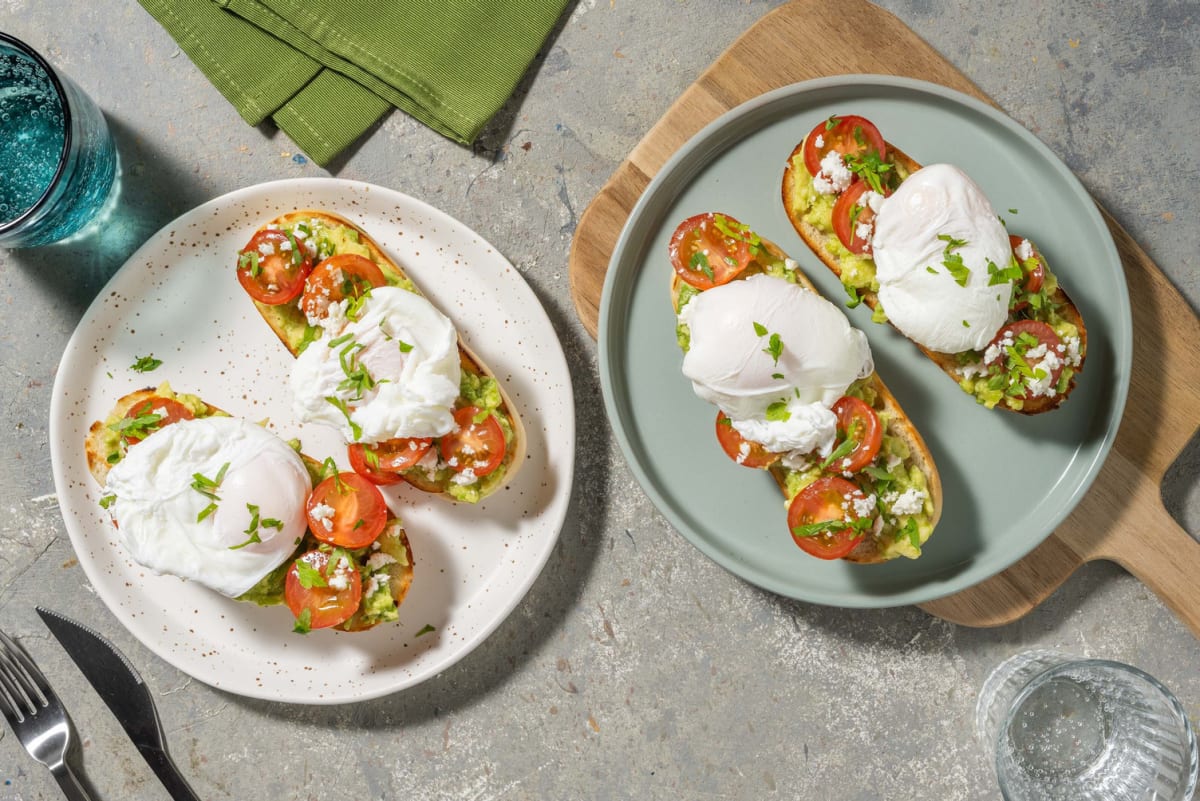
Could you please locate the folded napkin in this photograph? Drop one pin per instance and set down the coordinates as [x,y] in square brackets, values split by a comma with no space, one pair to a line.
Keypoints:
[326,70]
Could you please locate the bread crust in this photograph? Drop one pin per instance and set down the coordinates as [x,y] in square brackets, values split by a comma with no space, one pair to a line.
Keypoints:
[393,540]
[816,239]
[287,319]
[899,426]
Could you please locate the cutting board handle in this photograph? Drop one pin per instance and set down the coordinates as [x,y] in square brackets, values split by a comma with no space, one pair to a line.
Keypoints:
[1167,559]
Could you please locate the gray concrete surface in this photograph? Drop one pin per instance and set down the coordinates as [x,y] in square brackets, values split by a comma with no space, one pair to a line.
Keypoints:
[635,668]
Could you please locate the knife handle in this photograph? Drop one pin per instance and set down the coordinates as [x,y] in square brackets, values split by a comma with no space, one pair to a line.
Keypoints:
[160,762]
[70,784]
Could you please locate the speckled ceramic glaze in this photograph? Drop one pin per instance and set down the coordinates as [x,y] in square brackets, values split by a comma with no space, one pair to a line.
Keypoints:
[177,298]
[1008,479]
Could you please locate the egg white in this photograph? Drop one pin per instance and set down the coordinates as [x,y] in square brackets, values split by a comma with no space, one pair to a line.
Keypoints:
[157,504]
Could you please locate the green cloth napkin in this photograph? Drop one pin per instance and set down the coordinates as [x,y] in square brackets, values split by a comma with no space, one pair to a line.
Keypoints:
[327,70]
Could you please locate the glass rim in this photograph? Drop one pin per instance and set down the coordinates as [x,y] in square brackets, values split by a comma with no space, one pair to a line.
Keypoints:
[17,222]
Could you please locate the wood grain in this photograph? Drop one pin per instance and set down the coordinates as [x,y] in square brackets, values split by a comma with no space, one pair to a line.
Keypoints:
[1122,518]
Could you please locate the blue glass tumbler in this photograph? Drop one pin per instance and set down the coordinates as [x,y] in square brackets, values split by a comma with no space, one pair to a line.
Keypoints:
[57,159]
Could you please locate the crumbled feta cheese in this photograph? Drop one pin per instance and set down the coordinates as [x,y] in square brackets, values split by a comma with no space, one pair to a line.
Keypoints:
[819,141]
[465,477]
[378,561]
[323,514]
[833,177]
[1024,250]
[909,502]
[863,506]
[340,579]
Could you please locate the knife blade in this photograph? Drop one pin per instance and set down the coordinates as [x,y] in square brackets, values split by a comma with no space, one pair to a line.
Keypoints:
[121,688]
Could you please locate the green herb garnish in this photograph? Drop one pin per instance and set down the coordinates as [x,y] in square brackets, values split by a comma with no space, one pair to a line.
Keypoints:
[208,488]
[145,364]
[303,621]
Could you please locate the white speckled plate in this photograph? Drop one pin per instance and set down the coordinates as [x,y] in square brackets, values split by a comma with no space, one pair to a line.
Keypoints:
[177,298]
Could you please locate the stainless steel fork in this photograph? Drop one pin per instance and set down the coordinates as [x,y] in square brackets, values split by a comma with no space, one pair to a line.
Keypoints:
[37,717]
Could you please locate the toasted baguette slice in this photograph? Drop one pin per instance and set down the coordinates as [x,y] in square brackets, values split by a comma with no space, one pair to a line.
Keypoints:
[869,550]
[820,243]
[290,325]
[103,448]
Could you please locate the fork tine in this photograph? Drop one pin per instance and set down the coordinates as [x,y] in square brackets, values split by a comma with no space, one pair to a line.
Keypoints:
[30,672]
[20,687]
[8,700]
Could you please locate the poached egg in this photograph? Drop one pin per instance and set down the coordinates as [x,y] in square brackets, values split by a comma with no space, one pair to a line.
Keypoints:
[764,343]
[392,371]
[162,507]
[936,215]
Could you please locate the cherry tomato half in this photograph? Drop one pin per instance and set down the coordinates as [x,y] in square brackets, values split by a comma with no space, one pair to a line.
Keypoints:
[710,249]
[1045,336]
[859,422]
[272,267]
[475,446]
[382,462]
[733,442]
[337,278]
[167,411]
[849,212]
[330,599]
[822,501]
[850,135]
[346,510]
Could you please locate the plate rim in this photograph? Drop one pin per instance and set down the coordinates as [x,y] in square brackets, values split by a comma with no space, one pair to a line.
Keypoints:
[562,463]
[609,333]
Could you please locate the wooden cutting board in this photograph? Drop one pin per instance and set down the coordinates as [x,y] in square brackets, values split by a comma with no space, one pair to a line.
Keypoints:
[1122,518]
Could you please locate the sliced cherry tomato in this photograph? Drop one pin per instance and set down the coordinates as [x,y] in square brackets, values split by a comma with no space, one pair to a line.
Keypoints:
[1012,334]
[272,267]
[381,463]
[857,421]
[850,135]
[478,447]
[755,455]
[827,499]
[337,278]
[1037,276]
[332,594]
[849,212]
[346,510]
[710,249]
[144,418]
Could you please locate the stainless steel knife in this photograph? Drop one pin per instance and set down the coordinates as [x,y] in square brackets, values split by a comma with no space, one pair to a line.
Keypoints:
[123,690]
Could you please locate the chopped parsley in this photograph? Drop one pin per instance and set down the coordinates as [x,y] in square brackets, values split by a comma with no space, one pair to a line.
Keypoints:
[1009,274]
[843,450]
[208,488]
[855,298]
[774,347]
[107,501]
[139,426]
[341,406]
[308,575]
[953,261]
[255,522]
[249,260]
[426,629]
[699,262]
[303,621]
[778,412]
[831,527]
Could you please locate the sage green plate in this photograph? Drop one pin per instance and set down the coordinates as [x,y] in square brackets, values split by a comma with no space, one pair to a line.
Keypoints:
[1008,479]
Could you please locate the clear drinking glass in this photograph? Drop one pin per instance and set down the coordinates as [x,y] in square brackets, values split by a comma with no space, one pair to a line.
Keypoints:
[1064,728]
[57,159]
